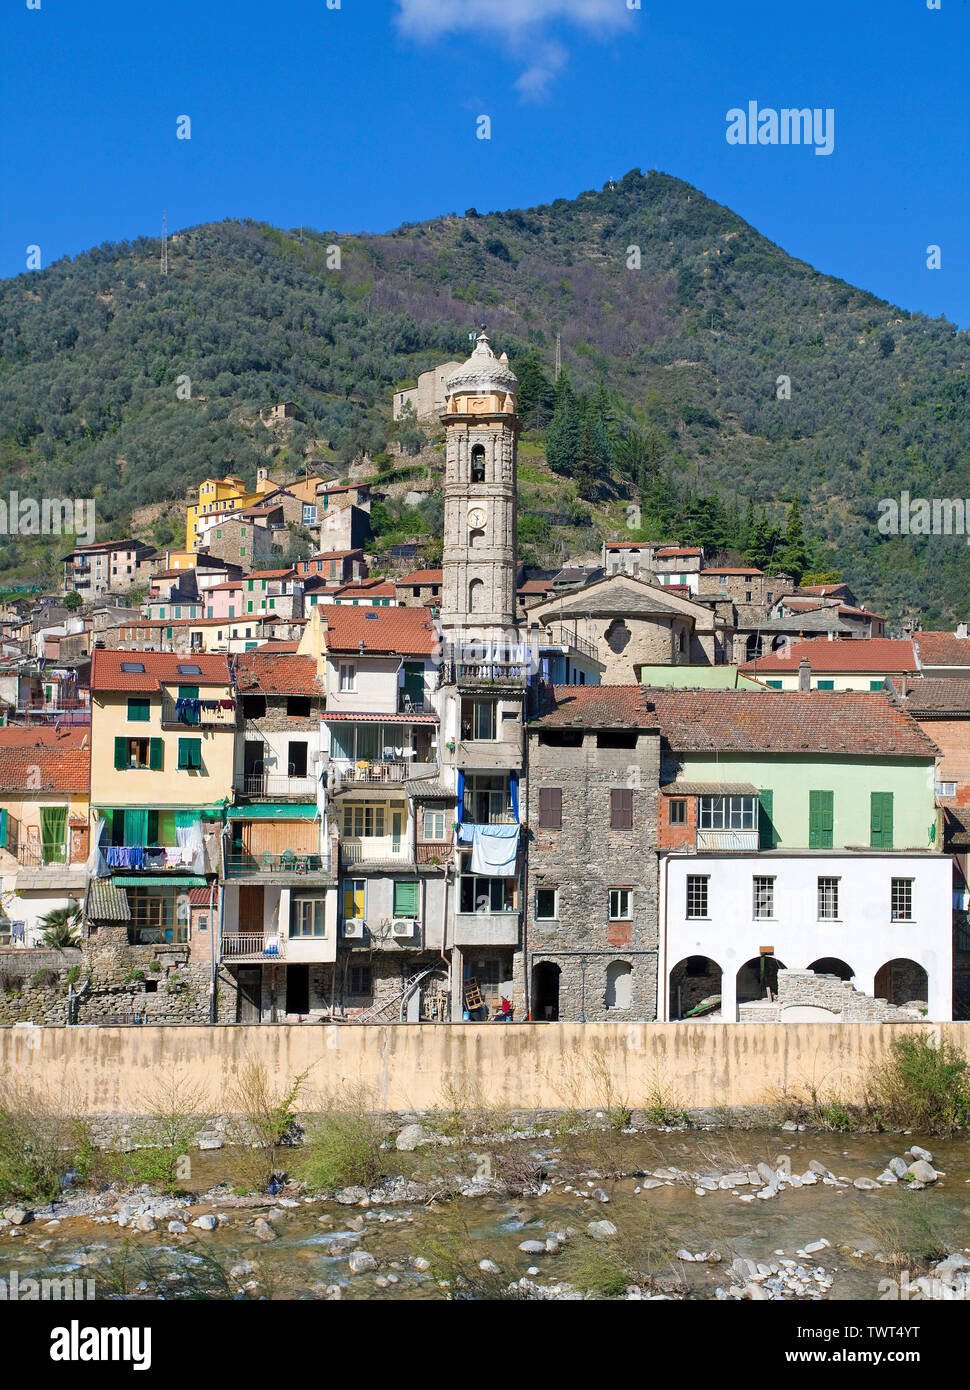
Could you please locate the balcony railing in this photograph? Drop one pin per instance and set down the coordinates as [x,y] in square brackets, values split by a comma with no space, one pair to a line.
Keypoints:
[276,785]
[269,863]
[476,666]
[565,638]
[433,852]
[218,713]
[373,848]
[380,772]
[410,704]
[727,839]
[151,858]
[253,945]
[35,856]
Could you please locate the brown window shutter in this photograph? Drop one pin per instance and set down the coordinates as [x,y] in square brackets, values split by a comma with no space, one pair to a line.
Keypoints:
[550,808]
[621,809]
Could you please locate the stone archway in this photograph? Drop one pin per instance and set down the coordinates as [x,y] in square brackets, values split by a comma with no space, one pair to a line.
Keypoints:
[902,981]
[619,985]
[694,980]
[758,979]
[545,992]
[831,965]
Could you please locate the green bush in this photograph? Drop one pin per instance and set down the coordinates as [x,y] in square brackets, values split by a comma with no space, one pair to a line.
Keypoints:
[38,1144]
[342,1147]
[921,1086]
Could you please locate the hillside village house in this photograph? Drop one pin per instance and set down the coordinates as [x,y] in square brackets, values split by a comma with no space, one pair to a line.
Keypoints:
[944,655]
[44,779]
[92,570]
[165,725]
[820,664]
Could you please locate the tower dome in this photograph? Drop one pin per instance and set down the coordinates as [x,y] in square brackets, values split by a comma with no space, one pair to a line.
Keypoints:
[483,375]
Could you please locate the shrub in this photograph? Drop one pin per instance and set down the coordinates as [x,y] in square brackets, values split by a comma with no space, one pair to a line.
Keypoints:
[38,1143]
[44,979]
[921,1085]
[175,1111]
[343,1144]
[265,1121]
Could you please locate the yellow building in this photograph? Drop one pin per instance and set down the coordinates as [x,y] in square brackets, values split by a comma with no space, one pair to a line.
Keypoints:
[219,498]
[162,737]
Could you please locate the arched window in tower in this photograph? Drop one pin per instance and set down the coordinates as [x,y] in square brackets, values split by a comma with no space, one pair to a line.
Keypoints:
[476,596]
[476,538]
[478,463]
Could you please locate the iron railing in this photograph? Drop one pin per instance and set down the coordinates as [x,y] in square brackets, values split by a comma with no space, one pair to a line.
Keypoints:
[276,784]
[245,863]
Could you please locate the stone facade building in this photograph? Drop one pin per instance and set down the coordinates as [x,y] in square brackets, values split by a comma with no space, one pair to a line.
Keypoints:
[589,946]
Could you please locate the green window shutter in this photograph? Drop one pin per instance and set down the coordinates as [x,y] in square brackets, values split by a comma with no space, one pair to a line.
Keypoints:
[53,832]
[825,685]
[3,828]
[775,685]
[138,709]
[121,754]
[188,692]
[876,685]
[190,754]
[821,819]
[881,820]
[155,754]
[766,828]
[405,900]
[168,633]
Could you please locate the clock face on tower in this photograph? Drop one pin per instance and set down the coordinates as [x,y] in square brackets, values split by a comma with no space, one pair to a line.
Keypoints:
[476,516]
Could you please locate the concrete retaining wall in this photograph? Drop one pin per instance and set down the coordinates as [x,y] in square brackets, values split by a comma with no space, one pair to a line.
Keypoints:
[112,1070]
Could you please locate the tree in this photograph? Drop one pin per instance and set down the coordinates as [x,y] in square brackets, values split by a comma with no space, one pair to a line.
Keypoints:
[586,471]
[72,601]
[793,553]
[536,391]
[61,927]
[565,431]
[763,543]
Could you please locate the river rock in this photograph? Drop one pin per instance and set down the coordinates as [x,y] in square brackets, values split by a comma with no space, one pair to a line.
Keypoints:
[350,1196]
[921,1171]
[814,1246]
[898,1166]
[601,1230]
[206,1223]
[755,1292]
[599,1195]
[685,1255]
[488,1267]
[887,1177]
[361,1261]
[240,1270]
[177,1228]
[865,1184]
[917,1152]
[263,1230]
[420,1263]
[533,1247]
[410,1137]
[16,1215]
[790,1127]
[819,1169]
[210,1141]
[765,1173]
[145,1222]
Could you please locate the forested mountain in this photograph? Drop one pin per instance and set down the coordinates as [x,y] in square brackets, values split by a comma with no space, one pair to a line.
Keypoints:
[677,320]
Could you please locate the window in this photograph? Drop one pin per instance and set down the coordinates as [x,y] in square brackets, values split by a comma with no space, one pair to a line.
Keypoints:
[486,799]
[619,905]
[190,754]
[727,813]
[881,820]
[479,719]
[697,895]
[902,900]
[621,808]
[876,685]
[348,676]
[946,788]
[363,819]
[189,671]
[139,753]
[405,898]
[355,890]
[825,685]
[298,706]
[309,514]
[361,980]
[617,738]
[677,811]
[308,917]
[821,819]
[486,894]
[478,464]
[433,824]
[774,685]
[254,706]
[763,894]
[828,899]
[297,758]
[547,907]
[133,668]
[550,808]
[139,709]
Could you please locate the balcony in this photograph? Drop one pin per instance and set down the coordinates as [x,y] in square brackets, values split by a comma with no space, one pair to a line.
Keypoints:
[268,866]
[239,947]
[217,713]
[376,849]
[36,856]
[276,786]
[727,840]
[486,929]
[151,858]
[562,637]
[433,853]
[474,668]
[409,704]
[379,772]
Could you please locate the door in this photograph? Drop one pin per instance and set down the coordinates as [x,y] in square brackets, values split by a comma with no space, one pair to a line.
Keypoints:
[249,994]
[254,765]
[414,685]
[545,992]
[297,989]
[251,907]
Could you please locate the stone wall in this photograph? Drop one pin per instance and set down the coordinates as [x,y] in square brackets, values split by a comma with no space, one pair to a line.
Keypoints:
[584,860]
[804,989]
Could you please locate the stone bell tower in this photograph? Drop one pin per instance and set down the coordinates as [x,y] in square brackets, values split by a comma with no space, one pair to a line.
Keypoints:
[479,551]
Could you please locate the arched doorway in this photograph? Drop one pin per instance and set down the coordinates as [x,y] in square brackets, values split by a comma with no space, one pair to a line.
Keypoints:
[758,979]
[902,981]
[619,985]
[752,647]
[695,984]
[545,992]
[831,965]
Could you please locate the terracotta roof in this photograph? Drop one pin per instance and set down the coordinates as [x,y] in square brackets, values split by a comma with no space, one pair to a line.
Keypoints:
[270,574]
[877,655]
[421,577]
[43,735]
[670,552]
[276,673]
[106,672]
[822,589]
[728,570]
[331,555]
[942,648]
[597,707]
[347,487]
[408,631]
[792,721]
[369,718]
[369,589]
[200,897]
[275,645]
[45,769]
[626,545]
[938,697]
[226,584]
[535,586]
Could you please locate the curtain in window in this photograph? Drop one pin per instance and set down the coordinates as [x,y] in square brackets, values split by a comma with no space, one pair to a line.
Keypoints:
[188,837]
[136,827]
[342,742]
[96,866]
[460,797]
[514,794]
[53,830]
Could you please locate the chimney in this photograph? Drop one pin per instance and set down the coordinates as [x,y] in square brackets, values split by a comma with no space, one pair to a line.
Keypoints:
[804,674]
[963,630]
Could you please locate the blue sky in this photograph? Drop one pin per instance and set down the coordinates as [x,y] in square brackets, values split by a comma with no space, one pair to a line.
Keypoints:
[363,117]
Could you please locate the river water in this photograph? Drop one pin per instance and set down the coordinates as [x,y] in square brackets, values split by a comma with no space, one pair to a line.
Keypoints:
[873,1236]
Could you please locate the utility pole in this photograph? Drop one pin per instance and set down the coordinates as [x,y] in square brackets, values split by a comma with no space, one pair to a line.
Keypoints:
[558,355]
[164,243]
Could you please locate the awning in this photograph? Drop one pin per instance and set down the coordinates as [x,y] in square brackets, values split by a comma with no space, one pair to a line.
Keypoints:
[214,810]
[709,789]
[156,880]
[270,811]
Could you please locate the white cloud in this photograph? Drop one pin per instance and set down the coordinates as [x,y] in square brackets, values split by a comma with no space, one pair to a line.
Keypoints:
[522,24]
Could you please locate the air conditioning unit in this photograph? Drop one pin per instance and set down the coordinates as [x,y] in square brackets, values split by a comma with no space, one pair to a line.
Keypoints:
[354,928]
[402,926]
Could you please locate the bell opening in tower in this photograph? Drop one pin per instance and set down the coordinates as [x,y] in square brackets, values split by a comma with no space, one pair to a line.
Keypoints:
[478,464]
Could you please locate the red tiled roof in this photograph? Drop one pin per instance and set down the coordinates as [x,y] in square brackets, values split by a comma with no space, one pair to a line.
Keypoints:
[43,735]
[671,551]
[347,487]
[597,706]
[277,673]
[200,897]
[405,630]
[790,721]
[275,645]
[45,769]
[626,545]
[368,718]
[421,577]
[728,570]
[106,672]
[270,574]
[935,697]
[942,648]
[875,655]
[535,586]
[370,588]
[329,555]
